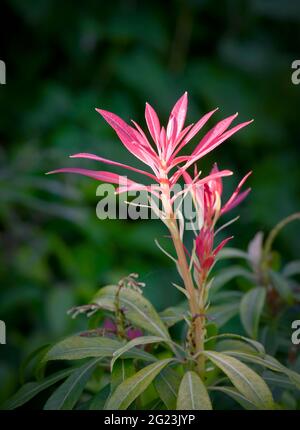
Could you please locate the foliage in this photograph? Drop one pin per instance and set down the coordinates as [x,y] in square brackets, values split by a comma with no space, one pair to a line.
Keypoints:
[54,252]
[154,371]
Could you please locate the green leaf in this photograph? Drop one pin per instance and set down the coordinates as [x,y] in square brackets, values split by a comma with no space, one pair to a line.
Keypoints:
[277,380]
[282,287]
[100,399]
[174,314]
[251,308]
[31,389]
[253,343]
[237,396]
[34,355]
[226,296]
[167,385]
[122,370]
[193,394]
[291,269]
[155,405]
[142,340]
[235,345]
[249,383]
[221,314]
[132,387]
[78,347]
[137,309]
[232,253]
[68,394]
[226,275]
[268,362]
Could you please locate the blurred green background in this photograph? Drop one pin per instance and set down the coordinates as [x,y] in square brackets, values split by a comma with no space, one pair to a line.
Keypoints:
[66,58]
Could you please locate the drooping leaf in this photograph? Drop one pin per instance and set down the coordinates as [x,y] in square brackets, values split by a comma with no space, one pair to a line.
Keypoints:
[226,275]
[247,382]
[192,394]
[257,346]
[78,347]
[67,394]
[132,387]
[142,340]
[31,389]
[268,362]
[137,309]
[167,385]
[278,380]
[232,253]
[251,308]
[235,345]
[237,396]
[226,296]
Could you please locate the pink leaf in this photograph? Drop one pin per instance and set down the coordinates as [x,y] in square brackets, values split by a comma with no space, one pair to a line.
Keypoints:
[179,112]
[194,130]
[215,132]
[114,163]
[112,178]
[152,123]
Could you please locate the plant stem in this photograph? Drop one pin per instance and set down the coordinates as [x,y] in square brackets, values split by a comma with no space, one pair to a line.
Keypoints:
[196,311]
[196,307]
[274,232]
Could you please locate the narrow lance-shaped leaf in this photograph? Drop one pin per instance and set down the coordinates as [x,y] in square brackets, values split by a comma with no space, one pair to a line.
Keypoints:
[100,398]
[142,340]
[269,362]
[249,383]
[132,387]
[258,347]
[251,308]
[226,275]
[193,394]
[232,253]
[67,395]
[167,385]
[237,396]
[78,347]
[122,370]
[31,389]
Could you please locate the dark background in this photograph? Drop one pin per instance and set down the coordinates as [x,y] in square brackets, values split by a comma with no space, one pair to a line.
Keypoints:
[66,58]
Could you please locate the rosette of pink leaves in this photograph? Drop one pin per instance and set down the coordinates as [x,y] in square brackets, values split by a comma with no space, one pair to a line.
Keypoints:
[162,155]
